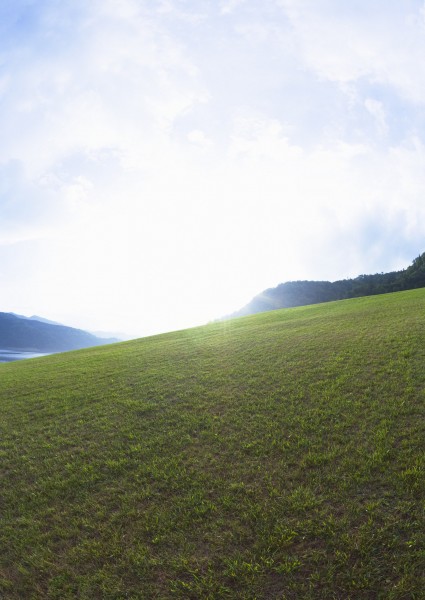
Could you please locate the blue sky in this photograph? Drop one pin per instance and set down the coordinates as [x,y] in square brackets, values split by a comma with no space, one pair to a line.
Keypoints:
[163,161]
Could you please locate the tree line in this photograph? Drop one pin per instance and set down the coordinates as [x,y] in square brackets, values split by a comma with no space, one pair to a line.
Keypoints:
[301,293]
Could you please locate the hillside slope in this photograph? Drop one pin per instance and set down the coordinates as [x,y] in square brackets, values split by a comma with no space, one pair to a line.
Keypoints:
[273,456]
[302,293]
[21,333]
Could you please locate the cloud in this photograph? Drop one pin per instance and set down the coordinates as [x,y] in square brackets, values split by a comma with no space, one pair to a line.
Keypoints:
[228,6]
[376,109]
[261,138]
[120,80]
[381,42]
[333,196]
[159,155]
[198,137]
[27,211]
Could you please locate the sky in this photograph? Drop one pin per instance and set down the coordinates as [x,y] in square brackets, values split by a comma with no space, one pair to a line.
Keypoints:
[163,161]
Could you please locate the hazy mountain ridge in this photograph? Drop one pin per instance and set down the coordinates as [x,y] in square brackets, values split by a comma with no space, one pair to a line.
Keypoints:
[302,293]
[33,334]
[36,318]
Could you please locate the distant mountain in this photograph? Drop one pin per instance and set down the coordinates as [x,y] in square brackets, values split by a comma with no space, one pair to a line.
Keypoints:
[42,320]
[301,293]
[36,318]
[36,335]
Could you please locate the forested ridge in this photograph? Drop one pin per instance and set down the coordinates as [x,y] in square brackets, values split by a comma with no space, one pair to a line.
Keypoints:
[301,293]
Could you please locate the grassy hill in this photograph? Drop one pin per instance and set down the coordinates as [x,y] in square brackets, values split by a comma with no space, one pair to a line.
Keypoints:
[277,456]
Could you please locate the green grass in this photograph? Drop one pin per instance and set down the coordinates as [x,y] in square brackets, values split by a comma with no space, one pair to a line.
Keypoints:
[278,456]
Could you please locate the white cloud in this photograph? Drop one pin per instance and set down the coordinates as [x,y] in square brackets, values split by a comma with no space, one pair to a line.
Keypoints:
[383,42]
[199,138]
[118,9]
[261,138]
[114,84]
[161,165]
[376,109]
[228,6]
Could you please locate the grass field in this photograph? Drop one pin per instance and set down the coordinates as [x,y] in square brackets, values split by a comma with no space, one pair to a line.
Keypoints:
[278,456]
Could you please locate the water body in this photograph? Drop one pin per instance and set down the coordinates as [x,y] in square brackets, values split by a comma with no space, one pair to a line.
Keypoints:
[12,355]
